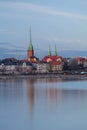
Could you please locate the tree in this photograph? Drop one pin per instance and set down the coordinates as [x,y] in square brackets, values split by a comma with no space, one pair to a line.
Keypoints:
[65,65]
[73,65]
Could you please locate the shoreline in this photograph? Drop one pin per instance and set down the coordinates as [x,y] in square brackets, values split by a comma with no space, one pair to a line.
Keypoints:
[38,76]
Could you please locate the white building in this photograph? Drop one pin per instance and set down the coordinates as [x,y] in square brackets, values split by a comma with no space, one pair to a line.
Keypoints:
[42,67]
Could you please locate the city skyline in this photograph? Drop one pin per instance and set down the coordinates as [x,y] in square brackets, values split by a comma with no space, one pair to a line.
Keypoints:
[52,22]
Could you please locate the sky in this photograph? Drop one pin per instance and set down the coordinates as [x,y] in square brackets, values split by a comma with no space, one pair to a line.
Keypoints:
[53,22]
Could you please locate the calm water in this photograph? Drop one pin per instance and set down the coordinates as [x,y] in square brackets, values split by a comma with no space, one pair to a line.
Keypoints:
[43,104]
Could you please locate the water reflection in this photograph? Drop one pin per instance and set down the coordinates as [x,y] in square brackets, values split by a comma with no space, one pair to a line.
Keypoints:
[31,96]
[39,104]
[11,89]
[49,94]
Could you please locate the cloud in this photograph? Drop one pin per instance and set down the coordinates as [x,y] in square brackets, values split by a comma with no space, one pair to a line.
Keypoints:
[21,6]
[55,39]
[7,32]
[16,53]
[62,43]
[12,47]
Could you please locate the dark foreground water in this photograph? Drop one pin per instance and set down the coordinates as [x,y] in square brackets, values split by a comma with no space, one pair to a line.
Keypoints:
[43,104]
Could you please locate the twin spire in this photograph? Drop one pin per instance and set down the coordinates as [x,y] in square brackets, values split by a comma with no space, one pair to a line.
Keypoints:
[49,51]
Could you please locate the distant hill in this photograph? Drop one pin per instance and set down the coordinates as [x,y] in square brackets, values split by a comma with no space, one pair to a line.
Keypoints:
[72,53]
[21,53]
[66,53]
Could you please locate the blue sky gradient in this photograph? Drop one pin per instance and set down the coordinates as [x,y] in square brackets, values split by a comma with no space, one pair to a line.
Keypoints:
[60,22]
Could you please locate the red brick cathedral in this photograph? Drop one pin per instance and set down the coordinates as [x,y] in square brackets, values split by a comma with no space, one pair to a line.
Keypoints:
[30,52]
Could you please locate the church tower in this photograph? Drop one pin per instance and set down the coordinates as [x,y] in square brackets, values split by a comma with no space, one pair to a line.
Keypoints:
[30,51]
[55,51]
[49,52]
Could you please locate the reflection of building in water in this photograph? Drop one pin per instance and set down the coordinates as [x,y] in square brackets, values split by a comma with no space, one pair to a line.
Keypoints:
[49,80]
[36,94]
[31,94]
[52,95]
[48,92]
[53,80]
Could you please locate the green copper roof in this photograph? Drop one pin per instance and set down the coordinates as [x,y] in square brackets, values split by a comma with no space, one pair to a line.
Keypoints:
[55,51]
[30,43]
[49,52]
[30,47]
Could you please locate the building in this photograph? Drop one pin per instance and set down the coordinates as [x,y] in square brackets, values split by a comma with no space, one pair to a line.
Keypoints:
[82,61]
[55,62]
[25,67]
[42,67]
[9,66]
[56,66]
[30,52]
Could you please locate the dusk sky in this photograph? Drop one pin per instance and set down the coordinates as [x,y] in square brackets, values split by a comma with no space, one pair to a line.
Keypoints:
[60,22]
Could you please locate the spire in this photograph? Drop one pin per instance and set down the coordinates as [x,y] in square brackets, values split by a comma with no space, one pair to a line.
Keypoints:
[55,51]
[49,52]
[30,43]
[30,35]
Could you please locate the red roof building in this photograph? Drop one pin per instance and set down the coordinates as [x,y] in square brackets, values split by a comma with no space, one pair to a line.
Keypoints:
[51,59]
[54,61]
[82,61]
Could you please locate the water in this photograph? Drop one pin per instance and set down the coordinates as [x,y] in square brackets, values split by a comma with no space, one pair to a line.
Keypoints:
[43,104]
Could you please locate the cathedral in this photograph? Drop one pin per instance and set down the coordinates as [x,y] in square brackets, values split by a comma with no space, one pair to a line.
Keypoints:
[30,52]
[52,58]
